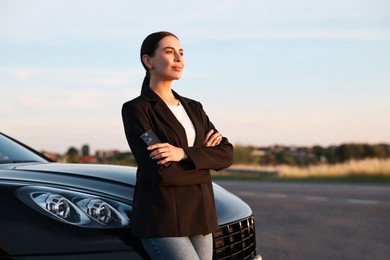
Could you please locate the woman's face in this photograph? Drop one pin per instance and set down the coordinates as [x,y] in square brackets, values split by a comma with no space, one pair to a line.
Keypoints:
[167,62]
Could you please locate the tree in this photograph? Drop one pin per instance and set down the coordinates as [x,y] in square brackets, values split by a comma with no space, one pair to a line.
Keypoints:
[378,151]
[243,155]
[85,150]
[73,155]
[285,158]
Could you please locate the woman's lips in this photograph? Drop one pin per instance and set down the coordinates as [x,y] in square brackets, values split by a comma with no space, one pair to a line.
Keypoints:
[177,68]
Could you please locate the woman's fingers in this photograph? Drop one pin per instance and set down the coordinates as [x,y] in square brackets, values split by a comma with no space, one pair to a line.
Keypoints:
[158,150]
[164,152]
[158,145]
[208,135]
[218,139]
[212,139]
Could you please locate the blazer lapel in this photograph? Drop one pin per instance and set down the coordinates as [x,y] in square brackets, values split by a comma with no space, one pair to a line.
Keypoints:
[166,115]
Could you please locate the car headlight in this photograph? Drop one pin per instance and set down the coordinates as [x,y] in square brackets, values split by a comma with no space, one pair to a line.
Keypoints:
[57,205]
[76,208]
[99,210]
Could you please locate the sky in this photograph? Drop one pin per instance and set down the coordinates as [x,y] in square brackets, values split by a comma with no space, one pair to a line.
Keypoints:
[302,73]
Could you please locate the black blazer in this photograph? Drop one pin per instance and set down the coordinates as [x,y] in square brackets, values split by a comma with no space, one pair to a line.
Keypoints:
[177,200]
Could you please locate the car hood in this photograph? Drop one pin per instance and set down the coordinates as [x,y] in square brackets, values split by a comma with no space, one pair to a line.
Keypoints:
[112,180]
[121,174]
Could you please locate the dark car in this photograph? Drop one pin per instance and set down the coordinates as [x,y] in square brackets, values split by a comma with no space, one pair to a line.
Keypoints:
[51,210]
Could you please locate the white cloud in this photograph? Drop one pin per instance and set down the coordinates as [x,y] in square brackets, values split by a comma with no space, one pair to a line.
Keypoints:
[59,133]
[23,74]
[47,93]
[72,78]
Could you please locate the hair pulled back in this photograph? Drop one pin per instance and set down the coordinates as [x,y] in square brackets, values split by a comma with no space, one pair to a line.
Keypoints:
[148,47]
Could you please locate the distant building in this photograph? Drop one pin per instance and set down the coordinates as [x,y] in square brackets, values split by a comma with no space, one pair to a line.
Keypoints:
[103,154]
[88,159]
[52,156]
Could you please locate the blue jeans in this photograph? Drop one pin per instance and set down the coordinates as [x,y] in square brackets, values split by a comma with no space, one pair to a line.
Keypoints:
[178,248]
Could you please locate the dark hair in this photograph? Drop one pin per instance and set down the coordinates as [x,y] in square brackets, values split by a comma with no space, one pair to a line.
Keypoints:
[148,47]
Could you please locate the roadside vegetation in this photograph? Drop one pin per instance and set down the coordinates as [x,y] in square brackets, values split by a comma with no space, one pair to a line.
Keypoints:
[367,170]
[346,162]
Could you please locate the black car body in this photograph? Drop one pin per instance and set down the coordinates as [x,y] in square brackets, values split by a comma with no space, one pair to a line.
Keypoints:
[51,210]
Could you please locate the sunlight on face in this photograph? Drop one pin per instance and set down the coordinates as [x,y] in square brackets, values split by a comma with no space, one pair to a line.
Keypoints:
[167,63]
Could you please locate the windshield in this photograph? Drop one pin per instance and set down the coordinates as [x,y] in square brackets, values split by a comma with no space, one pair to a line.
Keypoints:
[14,152]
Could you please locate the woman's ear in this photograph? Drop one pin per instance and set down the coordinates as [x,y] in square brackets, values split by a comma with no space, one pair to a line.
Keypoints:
[147,61]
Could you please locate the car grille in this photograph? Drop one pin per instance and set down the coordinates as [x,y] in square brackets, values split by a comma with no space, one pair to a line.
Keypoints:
[235,240]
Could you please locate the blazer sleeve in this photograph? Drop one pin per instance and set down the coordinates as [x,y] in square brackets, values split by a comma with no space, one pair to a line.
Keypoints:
[216,157]
[197,169]
[136,122]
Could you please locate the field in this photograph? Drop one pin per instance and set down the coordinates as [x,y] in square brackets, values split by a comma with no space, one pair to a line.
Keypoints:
[361,170]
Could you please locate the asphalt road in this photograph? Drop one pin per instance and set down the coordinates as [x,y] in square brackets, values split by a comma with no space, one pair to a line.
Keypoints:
[318,220]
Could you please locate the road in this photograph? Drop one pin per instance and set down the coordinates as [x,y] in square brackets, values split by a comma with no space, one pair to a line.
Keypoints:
[318,220]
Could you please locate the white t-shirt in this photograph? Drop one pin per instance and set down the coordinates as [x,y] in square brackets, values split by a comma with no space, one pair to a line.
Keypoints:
[185,121]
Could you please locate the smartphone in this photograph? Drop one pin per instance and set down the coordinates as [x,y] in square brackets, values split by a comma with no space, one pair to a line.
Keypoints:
[150,138]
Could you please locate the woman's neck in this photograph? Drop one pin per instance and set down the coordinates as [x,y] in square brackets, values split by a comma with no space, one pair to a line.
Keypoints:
[164,91]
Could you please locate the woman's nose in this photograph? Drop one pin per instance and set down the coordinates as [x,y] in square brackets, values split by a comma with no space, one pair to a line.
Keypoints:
[178,57]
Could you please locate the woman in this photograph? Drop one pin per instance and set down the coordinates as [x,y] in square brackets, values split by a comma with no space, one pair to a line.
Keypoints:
[173,210]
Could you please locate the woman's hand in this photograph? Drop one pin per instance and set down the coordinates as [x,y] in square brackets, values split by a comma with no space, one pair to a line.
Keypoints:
[212,139]
[164,152]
